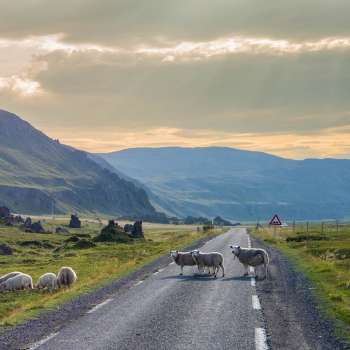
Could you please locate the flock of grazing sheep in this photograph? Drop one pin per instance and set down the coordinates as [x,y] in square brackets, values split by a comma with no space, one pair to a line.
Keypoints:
[214,261]
[18,280]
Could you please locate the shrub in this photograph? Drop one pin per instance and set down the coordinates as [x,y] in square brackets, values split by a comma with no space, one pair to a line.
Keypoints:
[302,238]
[5,249]
[74,238]
[83,235]
[342,254]
[84,244]
[208,228]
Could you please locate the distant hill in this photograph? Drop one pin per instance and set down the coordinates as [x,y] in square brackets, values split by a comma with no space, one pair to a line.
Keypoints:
[36,171]
[238,185]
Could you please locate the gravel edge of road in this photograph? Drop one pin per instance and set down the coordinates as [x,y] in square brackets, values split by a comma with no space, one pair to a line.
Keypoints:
[24,335]
[292,315]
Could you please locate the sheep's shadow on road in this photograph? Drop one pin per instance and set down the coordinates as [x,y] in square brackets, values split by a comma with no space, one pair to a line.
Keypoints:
[236,278]
[206,278]
[246,278]
[189,278]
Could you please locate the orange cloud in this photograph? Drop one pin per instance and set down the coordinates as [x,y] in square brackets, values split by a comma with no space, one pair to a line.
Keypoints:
[328,143]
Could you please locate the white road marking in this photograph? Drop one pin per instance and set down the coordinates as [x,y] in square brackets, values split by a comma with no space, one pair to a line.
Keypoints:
[251,269]
[252,281]
[249,242]
[172,263]
[160,270]
[95,308]
[256,302]
[138,283]
[43,341]
[260,339]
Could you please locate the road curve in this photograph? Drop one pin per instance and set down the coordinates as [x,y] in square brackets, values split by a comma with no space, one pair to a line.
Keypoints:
[168,311]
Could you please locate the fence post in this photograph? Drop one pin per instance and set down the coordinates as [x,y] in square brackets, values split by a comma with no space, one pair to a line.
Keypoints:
[307,227]
[293,227]
[322,227]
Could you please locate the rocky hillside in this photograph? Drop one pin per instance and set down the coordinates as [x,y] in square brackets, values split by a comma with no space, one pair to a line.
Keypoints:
[37,172]
[238,185]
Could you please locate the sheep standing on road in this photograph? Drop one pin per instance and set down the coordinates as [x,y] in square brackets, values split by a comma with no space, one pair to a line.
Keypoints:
[210,260]
[9,275]
[66,276]
[47,280]
[182,259]
[251,257]
[18,282]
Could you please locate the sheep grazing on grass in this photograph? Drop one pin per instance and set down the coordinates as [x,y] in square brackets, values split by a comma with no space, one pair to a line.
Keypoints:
[66,277]
[47,280]
[210,260]
[182,259]
[251,257]
[18,282]
[9,275]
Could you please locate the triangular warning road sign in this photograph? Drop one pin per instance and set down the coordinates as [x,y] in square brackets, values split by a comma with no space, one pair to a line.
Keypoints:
[275,221]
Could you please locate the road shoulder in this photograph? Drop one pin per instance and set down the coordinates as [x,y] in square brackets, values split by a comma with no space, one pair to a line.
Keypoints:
[293,320]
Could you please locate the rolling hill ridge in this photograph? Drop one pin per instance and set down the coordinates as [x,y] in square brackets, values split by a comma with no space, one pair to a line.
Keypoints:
[37,172]
[238,185]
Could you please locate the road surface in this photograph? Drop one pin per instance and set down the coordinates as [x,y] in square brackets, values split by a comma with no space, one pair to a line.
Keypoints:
[168,311]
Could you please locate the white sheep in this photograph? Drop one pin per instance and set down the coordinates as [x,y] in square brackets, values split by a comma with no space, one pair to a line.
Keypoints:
[18,282]
[47,280]
[212,259]
[9,275]
[251,257]
[182,259]
[66,276]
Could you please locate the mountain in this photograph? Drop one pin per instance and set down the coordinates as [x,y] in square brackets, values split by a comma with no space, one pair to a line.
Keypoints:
[238,185]
[37,172]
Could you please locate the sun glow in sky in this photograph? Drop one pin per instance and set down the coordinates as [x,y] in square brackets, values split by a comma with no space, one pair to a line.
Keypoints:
[107,75]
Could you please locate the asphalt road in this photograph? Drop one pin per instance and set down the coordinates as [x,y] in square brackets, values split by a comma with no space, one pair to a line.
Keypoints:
[168,311]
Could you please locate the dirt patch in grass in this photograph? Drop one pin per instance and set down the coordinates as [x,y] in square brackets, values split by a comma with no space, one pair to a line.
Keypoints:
[303,238]
[36,244]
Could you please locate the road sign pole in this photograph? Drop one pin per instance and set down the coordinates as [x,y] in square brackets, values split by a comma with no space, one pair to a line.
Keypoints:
[275,221]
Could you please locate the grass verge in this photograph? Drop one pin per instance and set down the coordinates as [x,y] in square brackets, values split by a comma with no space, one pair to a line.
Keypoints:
[324,257]
[36,254]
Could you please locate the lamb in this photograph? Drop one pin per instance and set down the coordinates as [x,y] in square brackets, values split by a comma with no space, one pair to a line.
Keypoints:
[182,259]
[9,275]
[20,281]
[47,280]
[66,276]
[213,259]
[251,257]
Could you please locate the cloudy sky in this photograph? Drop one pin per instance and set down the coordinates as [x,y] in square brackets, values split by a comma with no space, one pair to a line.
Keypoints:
[104,75]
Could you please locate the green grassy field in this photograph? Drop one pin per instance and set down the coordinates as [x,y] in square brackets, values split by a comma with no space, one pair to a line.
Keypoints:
[323,254]
[36,254]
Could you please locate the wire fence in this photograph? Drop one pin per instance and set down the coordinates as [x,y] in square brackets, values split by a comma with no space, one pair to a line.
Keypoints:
[305,227]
